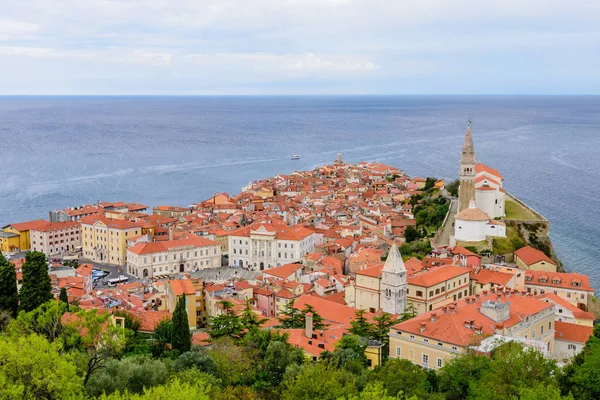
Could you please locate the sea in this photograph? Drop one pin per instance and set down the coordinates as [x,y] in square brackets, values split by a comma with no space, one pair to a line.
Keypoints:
[58,152]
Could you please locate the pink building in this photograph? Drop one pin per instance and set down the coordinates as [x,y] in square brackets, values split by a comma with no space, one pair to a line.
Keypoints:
[265,301]
[56,238]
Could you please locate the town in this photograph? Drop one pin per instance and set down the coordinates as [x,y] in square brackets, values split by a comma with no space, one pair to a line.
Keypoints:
[417,269]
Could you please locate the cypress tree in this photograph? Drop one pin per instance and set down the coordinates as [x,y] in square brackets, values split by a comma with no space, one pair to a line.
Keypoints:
[63,297]
[36,288]
[181,338]
[9,296]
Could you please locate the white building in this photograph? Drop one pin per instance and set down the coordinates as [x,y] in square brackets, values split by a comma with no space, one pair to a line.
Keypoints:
[474,225]
[56,237]
[489,194]
[163,258]
[569,339]
[263,246]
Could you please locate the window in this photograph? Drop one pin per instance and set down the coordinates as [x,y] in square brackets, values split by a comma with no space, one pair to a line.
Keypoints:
[541,330]
[454,348]
[425,359]
[440,363]
[572,347]
[419,293]
[412,336]
[398,351]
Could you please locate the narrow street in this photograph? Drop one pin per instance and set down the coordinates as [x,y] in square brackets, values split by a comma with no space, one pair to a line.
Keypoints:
[448,228]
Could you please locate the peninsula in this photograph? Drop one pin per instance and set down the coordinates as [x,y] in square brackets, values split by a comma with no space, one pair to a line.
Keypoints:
[341,270]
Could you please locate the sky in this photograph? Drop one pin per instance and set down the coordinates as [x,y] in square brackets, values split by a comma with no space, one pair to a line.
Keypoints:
[208,47]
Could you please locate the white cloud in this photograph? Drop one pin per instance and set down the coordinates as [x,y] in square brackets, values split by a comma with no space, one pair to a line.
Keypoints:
[295,39]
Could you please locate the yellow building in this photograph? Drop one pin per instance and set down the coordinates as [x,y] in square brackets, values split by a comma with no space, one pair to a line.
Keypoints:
[9,242]
[431,339]
[22,241]
[426,290]
[183,287]
[529,258]
[104,239]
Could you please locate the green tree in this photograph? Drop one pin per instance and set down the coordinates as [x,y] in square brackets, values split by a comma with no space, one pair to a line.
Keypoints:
[181,338]
[278,357]
[44,320]
[513,368]
[63,296]
[9,296]
[236,365]
[360,326]
[133,374]
[161,337]
[400,376]
[198,359]
[249,318]
[456,376]
[411,234]
[582,375]
[173,390]
[317,381]
[381,329]
[291,317]
[99,340]
[429,183]
[36,288]
[228,323]
[452,187]
[33,368]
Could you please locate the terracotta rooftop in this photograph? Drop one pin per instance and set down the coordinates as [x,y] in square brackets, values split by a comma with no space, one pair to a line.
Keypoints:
[450,327]
[572,332]
[29,225]
[529,255]
[163,246]
[283,271]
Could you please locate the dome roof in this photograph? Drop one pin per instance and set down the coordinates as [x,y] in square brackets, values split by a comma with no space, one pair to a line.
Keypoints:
[472,214]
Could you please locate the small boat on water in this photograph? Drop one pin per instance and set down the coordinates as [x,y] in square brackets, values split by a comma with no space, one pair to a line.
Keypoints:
[295,157]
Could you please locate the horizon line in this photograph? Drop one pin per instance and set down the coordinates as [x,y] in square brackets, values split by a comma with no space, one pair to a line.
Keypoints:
[298,95]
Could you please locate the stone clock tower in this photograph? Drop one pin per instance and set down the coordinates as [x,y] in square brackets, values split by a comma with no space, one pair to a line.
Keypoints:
[466,190]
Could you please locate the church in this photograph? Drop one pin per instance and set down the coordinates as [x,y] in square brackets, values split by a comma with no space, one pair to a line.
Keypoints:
[480,198]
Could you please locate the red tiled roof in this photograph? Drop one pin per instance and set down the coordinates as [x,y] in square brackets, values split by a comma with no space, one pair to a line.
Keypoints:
[283,271]
[572,332]
[182,286]
[450,326]
[373,272]
[485,276]
[111,222]
[436,275]
[577,312]
[563,280]
[479,167]
[150,319]
[328,310]
[529,255]
[55,226]
[162,246]
[29,225]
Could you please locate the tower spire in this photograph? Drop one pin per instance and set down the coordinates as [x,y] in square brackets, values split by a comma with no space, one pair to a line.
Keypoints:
[466,190]
[468,151]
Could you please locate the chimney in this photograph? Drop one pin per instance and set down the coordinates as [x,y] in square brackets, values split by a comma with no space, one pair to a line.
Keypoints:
[497,311]
[309,325]
[170,233]
[423,327]
[433,316]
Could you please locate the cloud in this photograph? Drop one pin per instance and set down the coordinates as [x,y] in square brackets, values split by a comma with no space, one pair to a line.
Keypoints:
[370,45]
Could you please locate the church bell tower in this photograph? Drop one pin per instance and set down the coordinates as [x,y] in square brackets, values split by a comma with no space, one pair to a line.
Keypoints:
[466,190]
[393,283]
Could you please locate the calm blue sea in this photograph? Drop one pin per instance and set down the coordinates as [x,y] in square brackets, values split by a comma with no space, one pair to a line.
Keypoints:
[62,151]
